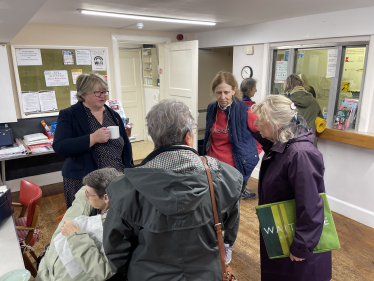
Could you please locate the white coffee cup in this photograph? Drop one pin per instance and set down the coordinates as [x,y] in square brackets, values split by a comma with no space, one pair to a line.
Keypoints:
[114,132]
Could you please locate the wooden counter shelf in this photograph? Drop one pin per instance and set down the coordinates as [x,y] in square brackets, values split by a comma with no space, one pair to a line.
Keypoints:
[353,138]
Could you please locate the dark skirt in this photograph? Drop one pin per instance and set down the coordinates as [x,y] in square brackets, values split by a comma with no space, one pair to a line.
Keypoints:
[71,186]
[317,268]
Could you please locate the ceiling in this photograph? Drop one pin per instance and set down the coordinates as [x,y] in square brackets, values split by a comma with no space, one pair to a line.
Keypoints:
[14,14]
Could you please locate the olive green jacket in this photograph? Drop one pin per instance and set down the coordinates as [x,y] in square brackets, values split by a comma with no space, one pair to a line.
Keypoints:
[308,107]
[93,262]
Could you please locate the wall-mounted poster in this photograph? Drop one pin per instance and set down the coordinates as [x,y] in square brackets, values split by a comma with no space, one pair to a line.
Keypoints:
[47,101]
[280,71]
[30,102]
[28,57]
[98,60]
[73,97]
[75,73]
[68,57]
[55,78]
[83,57]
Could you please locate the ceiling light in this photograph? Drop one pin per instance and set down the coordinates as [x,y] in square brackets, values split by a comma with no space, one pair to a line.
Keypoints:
[126,16]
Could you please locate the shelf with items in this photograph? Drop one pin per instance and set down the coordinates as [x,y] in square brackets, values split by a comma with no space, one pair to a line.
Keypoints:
[150,67]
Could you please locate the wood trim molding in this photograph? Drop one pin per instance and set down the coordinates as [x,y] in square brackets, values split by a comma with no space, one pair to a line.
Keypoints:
[352,138]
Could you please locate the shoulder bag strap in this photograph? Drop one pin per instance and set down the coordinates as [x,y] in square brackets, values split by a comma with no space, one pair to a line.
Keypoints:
[217,224]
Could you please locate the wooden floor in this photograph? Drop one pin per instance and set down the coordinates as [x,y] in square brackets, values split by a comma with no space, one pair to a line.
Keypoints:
[354,261]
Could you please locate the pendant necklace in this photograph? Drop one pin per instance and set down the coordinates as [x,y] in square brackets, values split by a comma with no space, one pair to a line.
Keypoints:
[223,131]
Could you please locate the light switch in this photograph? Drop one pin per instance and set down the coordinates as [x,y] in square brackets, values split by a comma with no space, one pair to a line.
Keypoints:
[249,50]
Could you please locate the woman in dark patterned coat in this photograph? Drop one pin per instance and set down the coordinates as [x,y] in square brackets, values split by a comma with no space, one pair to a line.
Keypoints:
[83,138]
[292,168]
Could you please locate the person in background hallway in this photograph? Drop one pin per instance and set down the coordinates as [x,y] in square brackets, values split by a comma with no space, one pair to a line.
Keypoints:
[312,91]
[90,200]
[248,89]
[228,137]
[292,168]
[160,224]
[83,138]
[307,106]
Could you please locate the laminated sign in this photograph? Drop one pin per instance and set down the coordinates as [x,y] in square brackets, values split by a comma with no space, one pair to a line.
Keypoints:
[278,220]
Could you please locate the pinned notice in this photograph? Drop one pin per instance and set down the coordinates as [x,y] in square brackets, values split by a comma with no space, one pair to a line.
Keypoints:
[83,57]
[98,60]
[75,73]
[28,57]
[47,101]
[68,57]
[332,59]
[280,71]
[73,97]
[55,78]
[30,102]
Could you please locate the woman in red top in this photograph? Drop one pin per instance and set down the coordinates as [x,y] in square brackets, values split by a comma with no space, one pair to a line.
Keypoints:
[248,89]
[228,136]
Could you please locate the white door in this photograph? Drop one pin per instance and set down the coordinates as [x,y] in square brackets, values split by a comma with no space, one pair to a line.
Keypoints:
[131,91]
[179,65]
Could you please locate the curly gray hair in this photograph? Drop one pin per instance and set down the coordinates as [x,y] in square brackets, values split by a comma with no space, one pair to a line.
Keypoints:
[247,85]
[168,122]
[100,180]
[86,83]
[277,112]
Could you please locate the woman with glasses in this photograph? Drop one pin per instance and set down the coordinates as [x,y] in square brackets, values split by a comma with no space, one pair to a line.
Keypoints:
[83,138]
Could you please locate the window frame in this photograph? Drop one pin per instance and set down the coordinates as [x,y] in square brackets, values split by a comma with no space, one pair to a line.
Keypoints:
[335,81]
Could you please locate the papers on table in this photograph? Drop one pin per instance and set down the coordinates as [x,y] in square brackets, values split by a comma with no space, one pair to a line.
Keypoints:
[35,139]
[36,102]
[94,228]
[98,60]
[28,57]
[83,57]
[10,151]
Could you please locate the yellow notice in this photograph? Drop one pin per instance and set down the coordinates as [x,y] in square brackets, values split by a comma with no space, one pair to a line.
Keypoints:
[346,86]
[75,73]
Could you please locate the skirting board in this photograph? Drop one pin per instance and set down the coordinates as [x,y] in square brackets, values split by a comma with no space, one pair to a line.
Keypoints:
[351,211]
[40,180]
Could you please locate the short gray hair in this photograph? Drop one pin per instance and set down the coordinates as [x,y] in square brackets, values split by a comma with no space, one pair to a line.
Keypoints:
[247,86]
[86,83]
[277,111]
[100,179]
[168,122]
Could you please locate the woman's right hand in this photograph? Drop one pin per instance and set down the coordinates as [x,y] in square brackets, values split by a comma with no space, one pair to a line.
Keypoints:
[99,136]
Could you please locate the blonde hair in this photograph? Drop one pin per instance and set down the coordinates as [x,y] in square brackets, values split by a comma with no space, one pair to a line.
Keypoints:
[276,110]
[228,78]
[86,83]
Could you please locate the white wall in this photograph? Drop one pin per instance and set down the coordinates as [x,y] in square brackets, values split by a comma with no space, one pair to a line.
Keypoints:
[352,22]
[349,183]
[349,169]
[151,97]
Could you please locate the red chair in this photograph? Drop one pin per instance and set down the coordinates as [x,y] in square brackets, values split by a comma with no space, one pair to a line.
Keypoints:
[30,198]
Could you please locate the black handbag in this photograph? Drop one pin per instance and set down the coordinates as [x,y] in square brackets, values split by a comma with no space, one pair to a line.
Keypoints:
[6,208]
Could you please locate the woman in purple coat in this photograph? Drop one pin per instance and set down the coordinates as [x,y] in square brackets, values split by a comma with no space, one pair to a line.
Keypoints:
[292,168]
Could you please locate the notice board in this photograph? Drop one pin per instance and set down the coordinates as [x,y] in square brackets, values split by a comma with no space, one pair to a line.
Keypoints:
[59,59]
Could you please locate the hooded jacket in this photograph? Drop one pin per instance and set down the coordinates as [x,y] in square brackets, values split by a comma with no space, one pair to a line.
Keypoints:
[308,107]
[160,224]
[294,170]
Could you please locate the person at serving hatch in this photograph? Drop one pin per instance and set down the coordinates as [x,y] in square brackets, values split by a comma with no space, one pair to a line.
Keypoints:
[83,138]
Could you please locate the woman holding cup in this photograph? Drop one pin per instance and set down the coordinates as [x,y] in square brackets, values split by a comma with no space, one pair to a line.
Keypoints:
[83,137]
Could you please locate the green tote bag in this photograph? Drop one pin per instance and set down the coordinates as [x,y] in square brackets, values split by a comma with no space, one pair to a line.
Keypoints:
[277,223]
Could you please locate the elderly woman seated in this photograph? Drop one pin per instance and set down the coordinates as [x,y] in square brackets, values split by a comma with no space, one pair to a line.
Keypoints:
[90,200]
[160,225]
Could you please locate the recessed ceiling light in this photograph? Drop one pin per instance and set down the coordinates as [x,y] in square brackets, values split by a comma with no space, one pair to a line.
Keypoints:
[126,16]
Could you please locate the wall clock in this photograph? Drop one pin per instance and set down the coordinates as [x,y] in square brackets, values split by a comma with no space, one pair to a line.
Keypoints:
[247,72]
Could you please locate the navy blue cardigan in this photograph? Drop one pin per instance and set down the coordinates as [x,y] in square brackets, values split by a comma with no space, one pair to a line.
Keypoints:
[242,142]
[72,140]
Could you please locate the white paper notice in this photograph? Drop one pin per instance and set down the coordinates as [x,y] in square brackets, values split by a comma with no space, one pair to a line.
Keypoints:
[68,57]
[98,60]
[56,78]
[28,57]
[83,57]
[332,59]
[280,71]
[75,73]
[48,101]
[30,102]
[73,97]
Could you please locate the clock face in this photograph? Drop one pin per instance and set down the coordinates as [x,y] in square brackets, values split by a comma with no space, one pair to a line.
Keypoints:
[247,72]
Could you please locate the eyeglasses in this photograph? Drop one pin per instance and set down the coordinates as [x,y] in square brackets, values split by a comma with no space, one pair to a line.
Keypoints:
[90,195]
[99,93]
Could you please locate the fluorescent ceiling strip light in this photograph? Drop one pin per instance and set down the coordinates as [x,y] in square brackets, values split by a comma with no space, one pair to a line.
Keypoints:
[126,16]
